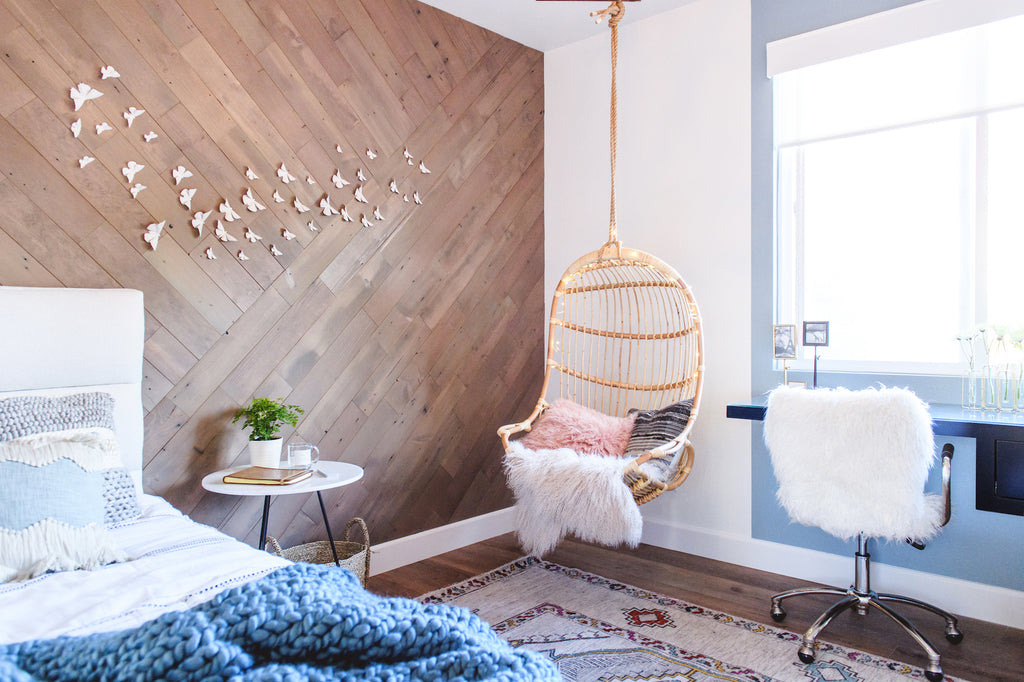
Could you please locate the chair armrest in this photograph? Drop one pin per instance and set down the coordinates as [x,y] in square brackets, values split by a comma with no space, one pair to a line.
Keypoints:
[505,432]
[947,460]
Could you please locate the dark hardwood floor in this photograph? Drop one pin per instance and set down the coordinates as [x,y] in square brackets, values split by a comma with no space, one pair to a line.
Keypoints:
[989,652]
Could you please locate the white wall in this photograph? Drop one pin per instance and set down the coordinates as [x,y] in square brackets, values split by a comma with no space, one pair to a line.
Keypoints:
[683,187]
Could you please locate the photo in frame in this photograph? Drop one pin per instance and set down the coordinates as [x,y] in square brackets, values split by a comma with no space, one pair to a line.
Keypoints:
[815,333]
[784,341]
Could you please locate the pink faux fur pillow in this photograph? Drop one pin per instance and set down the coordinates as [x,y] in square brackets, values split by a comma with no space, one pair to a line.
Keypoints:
[566,424]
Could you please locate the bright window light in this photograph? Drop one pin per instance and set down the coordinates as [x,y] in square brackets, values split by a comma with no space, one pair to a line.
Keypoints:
[900,197]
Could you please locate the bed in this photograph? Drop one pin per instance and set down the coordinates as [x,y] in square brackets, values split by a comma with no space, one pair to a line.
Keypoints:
[179,600]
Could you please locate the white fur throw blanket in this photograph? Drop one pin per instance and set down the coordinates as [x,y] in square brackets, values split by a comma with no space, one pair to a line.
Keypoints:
[559,492]
[854,462]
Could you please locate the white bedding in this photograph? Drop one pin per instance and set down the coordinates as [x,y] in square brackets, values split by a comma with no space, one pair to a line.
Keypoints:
[176,563]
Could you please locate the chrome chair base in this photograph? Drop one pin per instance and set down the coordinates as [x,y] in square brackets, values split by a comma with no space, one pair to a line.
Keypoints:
[860,598]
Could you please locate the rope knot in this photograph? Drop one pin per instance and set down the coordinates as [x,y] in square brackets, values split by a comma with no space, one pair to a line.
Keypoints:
[614,13]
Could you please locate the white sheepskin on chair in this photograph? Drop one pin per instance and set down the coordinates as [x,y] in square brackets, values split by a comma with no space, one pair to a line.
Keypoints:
[854,462]
[559,492]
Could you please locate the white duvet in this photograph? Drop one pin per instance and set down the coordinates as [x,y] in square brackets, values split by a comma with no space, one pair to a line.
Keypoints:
[175,563]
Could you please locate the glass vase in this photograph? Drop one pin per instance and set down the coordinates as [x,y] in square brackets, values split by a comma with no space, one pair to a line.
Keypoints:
[969,391]
[990,388]
[1005,385]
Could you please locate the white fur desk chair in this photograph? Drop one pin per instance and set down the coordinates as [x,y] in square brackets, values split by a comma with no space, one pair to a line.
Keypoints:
[854,463]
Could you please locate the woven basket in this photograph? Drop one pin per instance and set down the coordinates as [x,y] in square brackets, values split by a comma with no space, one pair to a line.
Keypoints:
[355,556]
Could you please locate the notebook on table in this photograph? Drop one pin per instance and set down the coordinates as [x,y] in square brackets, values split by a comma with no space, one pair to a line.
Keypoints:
[265,476]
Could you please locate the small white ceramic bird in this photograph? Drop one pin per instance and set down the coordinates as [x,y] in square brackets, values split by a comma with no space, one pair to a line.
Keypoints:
[416,198]
[299,206]
[278,198]
[370,154]
[250,174]
[287,234]
[153,231]
[199,220]
[180,173]
[222,234]
[108,72]
[229,213]
[252,236]
[76,128]
[132,114]
[394,187]
[285,176]
[344,214]
[364,221]
[85,161]
[241,255]
[423,168]
[325,205]
[136,188]
[275,251]
[185,197]
[360,197]
[131,169]
[82,93]
[210,254]
[312,226]
[103,127]
[377,213]
[250,201]
[339,181]
[150,136]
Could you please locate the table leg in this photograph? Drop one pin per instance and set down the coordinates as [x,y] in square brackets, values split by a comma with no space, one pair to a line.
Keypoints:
[266,519]
[327,526]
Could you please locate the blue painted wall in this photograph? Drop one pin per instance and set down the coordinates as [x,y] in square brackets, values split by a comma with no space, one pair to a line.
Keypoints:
[979,546]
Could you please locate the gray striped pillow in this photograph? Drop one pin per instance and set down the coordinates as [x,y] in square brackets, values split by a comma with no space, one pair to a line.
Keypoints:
[657,427]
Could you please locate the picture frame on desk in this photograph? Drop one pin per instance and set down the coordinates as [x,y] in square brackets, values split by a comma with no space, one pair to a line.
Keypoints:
[815,333]
[784,341]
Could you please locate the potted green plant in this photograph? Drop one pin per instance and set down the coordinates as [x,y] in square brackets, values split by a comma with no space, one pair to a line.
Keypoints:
[266,416]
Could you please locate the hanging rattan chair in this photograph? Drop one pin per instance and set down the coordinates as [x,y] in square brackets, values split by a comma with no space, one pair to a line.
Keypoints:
[625,333]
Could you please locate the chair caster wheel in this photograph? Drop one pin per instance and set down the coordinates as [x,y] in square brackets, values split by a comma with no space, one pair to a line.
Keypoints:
[955,637]
[806,654]
[778,613]
[933,676]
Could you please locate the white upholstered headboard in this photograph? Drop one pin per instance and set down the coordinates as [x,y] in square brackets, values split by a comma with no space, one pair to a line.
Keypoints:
[57,341]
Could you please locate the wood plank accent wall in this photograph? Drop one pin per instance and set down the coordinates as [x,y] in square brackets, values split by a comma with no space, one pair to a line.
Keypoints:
[408,342]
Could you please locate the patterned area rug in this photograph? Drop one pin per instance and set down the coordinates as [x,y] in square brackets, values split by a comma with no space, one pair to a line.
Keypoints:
[602,630]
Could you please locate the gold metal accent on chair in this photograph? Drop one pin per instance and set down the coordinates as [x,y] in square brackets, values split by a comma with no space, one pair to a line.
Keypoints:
[625,332]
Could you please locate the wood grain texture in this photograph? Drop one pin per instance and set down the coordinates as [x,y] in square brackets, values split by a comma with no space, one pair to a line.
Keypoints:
[988,652]
[408,343]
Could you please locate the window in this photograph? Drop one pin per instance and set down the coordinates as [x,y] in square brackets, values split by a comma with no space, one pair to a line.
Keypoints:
[900,196]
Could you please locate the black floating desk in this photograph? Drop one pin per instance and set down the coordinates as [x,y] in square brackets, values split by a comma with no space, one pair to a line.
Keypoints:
[999,448]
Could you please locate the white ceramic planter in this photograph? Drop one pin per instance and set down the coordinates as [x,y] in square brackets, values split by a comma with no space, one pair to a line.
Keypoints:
[265,453]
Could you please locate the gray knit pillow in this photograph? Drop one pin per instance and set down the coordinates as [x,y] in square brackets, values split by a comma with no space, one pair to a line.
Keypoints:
[34,414]
[31,414]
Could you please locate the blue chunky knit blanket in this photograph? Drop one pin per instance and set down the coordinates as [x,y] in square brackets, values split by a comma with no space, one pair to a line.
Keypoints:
[302,622]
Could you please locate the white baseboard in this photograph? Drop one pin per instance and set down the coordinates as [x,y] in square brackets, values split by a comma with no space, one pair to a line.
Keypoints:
[412,548]
[962,597]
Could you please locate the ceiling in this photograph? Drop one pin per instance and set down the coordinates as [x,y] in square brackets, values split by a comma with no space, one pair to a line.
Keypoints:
[547,25]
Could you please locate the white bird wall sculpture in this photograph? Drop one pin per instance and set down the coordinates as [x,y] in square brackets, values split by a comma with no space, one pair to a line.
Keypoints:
[153,231]
[370,154]
[252,236]
[210,254]
[287,234]
[180,173]
[364,221]
[393,186]
[339,181]
[250,174]
[108,72]
[130,170]
[185,197]
[103,127]
[423,168]
[278,198]
[150,136]
[275,251]
[82,93]
[250,201]
[229,213]
[136,188]
[222,234]
[132,114]
[285,176]
[344,214]
[312,226]
[76,128]
[299,206]
[241,255]
[377,213]
[85,161]
[325,204]
[360,197]
[359,175]
[199,220]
